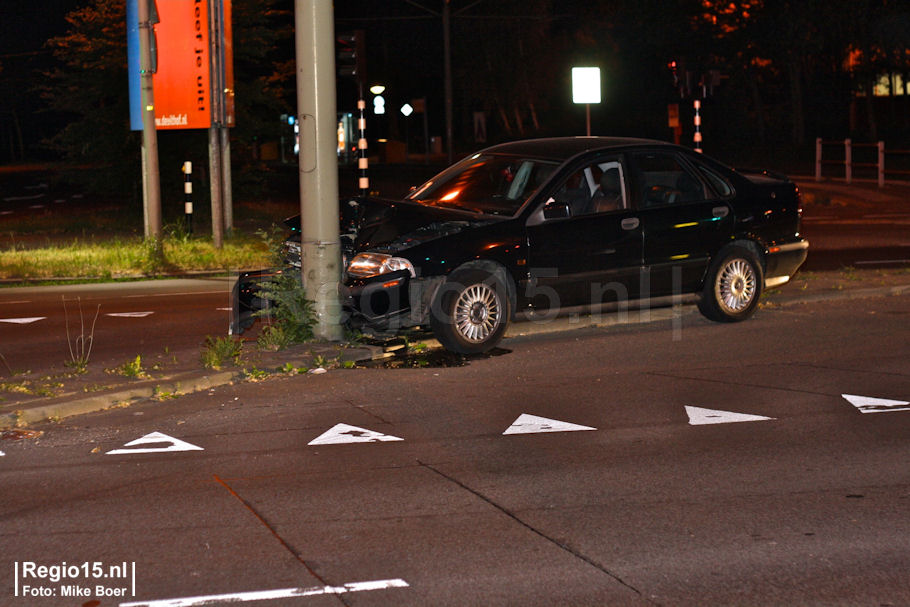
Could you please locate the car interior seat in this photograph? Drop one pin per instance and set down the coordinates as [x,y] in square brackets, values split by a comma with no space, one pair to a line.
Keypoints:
[608,196]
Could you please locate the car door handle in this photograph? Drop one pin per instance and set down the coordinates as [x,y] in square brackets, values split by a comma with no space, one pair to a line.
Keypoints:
[720,212]
[630,223]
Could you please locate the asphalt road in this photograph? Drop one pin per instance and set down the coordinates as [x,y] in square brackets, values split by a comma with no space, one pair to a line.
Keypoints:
[664,496]
[151,319]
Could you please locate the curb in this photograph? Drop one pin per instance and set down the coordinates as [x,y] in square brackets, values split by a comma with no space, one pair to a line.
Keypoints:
[180,384]
[177,385]
[846,294]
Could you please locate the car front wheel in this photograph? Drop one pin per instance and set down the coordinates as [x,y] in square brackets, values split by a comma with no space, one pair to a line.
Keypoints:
[732,286]
[471,312]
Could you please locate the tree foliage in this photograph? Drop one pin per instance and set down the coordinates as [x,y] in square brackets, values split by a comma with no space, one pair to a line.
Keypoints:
[90,86]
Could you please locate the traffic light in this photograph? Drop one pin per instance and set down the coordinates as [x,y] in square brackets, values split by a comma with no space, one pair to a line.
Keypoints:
[351,55]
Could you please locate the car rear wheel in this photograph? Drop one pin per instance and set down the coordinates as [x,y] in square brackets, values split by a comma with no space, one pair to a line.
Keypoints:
[472,311]
[732,286]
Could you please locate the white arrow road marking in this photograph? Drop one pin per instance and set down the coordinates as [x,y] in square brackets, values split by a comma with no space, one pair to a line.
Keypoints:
[130,314]
[867,404]
[702,417]
[532,424]
[153,438]
[270,595]
[23,321]
[343,433]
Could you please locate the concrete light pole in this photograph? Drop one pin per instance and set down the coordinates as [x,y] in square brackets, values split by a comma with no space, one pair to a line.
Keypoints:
[316,115]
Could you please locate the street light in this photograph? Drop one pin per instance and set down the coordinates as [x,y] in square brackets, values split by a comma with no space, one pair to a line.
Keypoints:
[586,89]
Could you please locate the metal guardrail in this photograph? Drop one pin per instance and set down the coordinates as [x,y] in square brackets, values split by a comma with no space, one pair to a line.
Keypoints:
[849,164]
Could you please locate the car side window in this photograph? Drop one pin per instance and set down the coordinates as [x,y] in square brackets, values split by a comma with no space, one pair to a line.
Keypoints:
[664,181]
[719,184]
[598,187]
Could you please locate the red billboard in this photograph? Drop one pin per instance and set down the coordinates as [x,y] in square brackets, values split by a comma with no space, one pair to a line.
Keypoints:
[185,73]
[182,83]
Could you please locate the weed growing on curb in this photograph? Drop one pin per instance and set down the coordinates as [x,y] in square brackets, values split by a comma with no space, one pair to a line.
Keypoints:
[273,338]
[255,374]
[80,347]
[220,350]
[131,368]
[159,394]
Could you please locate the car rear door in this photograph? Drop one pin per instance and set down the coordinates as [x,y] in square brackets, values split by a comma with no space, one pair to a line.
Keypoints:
[684,222]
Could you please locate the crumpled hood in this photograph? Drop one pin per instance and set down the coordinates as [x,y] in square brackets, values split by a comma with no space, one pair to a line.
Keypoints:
[389,226]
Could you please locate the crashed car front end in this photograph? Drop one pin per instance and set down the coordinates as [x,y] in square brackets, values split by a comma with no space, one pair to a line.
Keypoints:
[390,301]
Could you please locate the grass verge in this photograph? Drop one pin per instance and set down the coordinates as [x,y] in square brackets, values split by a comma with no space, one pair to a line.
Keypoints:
[131,258]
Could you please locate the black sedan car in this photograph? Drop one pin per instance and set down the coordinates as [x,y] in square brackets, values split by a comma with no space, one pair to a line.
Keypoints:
[549,224]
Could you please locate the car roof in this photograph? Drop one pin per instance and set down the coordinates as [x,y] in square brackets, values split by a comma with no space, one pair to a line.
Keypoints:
[563,148]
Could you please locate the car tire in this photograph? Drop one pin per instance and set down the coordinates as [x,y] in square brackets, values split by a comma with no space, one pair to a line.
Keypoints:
[733,285]
[471,312]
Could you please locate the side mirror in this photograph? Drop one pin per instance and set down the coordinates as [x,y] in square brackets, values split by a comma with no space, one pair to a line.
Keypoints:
[554,209]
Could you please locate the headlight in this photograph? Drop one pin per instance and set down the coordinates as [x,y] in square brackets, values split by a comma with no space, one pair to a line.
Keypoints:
[365,265]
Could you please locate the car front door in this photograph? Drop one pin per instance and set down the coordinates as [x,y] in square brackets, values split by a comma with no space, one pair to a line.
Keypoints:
[585,243]
[684,222]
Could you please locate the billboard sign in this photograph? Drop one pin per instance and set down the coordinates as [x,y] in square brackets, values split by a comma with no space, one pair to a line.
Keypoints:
[182,82]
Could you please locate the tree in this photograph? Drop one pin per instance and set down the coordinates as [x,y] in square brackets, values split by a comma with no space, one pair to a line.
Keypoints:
[90,87]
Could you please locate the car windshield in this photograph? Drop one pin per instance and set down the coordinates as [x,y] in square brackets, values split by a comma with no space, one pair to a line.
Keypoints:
[485,183]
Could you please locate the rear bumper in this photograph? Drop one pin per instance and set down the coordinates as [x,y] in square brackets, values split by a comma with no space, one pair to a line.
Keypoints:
[782,262]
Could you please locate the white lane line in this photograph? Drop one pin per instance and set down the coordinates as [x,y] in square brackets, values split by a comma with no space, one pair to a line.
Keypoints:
[130,314]
[23,321]
[271,595]
[219,292]
[18,301]
[20,198]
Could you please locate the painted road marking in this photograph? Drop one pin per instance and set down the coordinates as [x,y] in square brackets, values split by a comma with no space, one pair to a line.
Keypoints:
[532,424]
[343,433]
[23,321]
[130,314]
[2,454]
[222,292]
[271,595]
[702,417]
[867,404]
[154,438]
